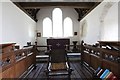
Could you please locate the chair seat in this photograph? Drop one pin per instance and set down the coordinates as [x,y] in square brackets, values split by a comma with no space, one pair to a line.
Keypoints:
[58,72]
[58,66]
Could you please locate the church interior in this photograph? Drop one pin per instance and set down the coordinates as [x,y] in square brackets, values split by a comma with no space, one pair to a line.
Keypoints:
[60,39]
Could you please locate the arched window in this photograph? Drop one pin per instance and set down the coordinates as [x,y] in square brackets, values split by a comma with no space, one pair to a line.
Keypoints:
[55,27]
[68,27]
[57,22]
[47,27]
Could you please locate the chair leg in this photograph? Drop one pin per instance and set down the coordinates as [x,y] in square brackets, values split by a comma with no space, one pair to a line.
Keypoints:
[69,77]
[34,66]
[47,75]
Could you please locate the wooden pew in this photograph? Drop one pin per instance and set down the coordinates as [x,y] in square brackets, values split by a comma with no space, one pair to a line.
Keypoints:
[7,60]
[15,62]
[102,57]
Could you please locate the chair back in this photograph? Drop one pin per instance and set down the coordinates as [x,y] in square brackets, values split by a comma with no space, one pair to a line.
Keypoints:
[58,53]
[58,43]
[58,56]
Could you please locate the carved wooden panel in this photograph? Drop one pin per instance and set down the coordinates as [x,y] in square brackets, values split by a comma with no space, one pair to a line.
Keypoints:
[86,58]
[111,66]
[20,67]
[95,61]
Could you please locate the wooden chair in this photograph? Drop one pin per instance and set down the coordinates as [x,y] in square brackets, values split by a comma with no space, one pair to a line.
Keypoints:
[58,64]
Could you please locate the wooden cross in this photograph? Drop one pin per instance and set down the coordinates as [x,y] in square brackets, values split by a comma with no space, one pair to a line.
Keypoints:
[58,44]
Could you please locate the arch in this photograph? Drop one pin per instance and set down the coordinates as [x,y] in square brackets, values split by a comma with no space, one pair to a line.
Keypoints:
[47,27]
[57,22]
[68,24]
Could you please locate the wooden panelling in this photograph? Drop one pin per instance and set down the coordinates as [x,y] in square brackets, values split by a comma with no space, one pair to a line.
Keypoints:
[20,67]
[7,47]
[12,74]
[8,74]
[95,61]
[86,57]
[15,63]
[111,66]
[29,5]
[106,58]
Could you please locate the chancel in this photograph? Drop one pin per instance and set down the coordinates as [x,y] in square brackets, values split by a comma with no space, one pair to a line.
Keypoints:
[59,39]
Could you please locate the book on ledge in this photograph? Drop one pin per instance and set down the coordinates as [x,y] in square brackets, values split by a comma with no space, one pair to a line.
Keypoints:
[98,69]
[105,73]
[109,75]
[100,72]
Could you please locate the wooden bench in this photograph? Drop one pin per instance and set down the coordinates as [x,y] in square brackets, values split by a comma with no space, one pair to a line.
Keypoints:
[105,58]
[15,62]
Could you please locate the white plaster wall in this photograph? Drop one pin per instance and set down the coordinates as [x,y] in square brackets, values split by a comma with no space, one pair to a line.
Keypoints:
[0,22]
[47,12]
[17,27]
[92,20]
[119,21]
[110,29]
[101,23]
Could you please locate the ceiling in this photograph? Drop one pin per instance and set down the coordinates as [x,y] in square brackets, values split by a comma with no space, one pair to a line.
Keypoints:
[32,8]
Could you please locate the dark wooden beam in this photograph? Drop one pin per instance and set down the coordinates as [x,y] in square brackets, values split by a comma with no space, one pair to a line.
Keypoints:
[79,15]
[81,12]
[35,13]
[31,13]
[30,5]
[24,10]
[96,4]
[76,9]
[82,8]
